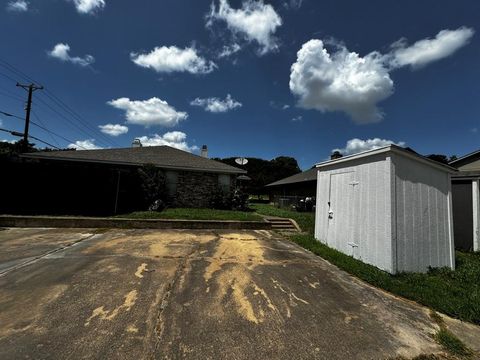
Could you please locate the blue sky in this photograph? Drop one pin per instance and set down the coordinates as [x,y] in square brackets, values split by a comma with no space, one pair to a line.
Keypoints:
[247,78]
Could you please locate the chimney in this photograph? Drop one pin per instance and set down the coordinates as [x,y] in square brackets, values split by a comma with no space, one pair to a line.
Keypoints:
[336,155]
[204,151]
[136,143]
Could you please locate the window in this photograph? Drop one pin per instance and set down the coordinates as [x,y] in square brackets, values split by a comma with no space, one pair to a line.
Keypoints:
[224,182]
[171,178]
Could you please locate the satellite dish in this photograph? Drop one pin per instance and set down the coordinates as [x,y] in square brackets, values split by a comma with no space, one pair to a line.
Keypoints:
[241,161]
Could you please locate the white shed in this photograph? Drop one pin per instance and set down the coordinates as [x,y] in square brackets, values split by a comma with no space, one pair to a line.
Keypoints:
[388,207]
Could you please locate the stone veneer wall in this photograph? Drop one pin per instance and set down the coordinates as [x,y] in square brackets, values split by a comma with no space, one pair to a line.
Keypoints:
[195,189]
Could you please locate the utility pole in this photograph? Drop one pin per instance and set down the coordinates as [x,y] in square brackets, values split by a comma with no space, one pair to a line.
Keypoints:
[30,88]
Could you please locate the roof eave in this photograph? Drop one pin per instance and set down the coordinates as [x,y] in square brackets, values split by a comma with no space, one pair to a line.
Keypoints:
[390,148]
[126,163]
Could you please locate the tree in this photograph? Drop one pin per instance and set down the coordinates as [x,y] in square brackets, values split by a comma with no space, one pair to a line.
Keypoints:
[152,184]
[263,172]
[441,158]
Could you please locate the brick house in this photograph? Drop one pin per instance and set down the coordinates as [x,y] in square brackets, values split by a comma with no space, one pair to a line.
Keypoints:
[92,182]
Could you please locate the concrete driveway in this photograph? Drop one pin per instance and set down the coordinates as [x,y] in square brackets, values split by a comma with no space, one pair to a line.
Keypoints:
[141,294]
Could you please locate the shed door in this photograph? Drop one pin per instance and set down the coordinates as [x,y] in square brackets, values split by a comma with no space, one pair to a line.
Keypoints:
[462,214]
[341,212]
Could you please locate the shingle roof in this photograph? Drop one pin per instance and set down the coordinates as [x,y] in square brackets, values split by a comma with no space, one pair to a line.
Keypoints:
[162,156]
[465,158]
[309,175]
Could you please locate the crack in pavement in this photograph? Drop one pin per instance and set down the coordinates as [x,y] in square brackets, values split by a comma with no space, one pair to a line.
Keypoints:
[165,300]
[48,253]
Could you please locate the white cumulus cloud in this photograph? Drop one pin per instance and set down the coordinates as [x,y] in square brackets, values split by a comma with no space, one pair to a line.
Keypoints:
[216,105]
[170,59]
[425,51]
[88,144]
[342,81]
[89,6]
[254,21]
[229,50]
[113,129]
[149,112]
[61,52]
[18,6]
[355,146]
[176,139]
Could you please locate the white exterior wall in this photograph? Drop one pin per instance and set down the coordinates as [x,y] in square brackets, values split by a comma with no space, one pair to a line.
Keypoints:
[360,193]
[476,213]
[424,226]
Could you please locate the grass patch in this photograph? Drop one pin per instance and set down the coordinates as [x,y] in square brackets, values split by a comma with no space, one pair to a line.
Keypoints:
[193,214]
[455,293]
[451,343]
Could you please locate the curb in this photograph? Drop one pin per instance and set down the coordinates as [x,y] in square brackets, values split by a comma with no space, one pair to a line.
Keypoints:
[88,222]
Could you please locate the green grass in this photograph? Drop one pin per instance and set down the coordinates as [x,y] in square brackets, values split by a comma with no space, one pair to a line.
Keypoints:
[455,293]
[451,343]
[193,214]
[306,221]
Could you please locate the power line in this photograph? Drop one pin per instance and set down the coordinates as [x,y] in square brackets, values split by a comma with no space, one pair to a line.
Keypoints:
[62,105]
[8,77]
[44,142]
[65,118]
[41,126]
[12,132]
[16,133]
[11,115]
[73,113]
[11,96]
[50,133]
[15,70]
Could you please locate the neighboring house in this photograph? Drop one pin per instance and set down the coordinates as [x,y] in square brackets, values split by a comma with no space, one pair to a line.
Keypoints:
[301,184]
[104,181]
[466,201]
[388,207]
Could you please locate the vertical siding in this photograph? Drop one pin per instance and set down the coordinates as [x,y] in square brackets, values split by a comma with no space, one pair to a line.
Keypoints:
[364,217]
[422,216]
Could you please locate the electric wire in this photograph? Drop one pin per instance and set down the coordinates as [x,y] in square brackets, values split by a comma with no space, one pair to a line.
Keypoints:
[60,104]
[41,126]
[15,133]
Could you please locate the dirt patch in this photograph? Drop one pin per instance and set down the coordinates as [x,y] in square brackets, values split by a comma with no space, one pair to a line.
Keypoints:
[236,255]
[103,314]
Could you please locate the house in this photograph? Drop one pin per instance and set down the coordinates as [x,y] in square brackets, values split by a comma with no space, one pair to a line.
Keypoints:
[387,207]
[466,201]
[289,190]
[92,182]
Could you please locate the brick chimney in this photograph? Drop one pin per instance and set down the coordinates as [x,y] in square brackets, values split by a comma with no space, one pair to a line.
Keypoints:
[204,151]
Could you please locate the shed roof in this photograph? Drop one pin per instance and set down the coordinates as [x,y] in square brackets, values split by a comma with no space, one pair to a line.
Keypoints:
[392,149]
[309,175]
[161,156]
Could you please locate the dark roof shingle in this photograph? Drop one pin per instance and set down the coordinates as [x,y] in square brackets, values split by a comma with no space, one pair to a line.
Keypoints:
[162,156]
[309,175]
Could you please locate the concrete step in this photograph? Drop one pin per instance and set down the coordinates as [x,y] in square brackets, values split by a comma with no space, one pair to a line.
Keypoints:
[282,224]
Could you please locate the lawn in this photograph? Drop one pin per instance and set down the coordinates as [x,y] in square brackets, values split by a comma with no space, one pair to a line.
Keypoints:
[194,214]
[456,293]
